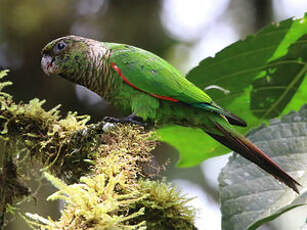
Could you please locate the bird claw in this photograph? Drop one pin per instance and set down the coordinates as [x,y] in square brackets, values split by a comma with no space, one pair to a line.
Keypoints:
[131,119]
[111,119]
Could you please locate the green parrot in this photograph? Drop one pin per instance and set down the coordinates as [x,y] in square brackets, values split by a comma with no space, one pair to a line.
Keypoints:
[139,83]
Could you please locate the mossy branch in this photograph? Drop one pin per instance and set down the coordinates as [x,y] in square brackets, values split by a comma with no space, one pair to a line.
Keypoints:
[104,174]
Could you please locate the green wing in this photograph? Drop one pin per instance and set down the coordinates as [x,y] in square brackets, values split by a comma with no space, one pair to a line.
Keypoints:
[154,75]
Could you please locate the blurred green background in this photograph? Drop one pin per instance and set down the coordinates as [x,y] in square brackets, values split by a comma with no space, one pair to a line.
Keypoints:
[183,32]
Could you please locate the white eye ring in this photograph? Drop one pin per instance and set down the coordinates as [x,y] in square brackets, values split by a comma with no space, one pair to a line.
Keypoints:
[59,47]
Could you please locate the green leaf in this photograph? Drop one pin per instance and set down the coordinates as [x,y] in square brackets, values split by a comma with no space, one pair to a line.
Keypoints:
[238,66]
[249,196]
[302,199]
[280,81]
[278,52]
[194,150]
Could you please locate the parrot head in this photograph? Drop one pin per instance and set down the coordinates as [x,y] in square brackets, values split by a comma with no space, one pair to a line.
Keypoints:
[58,55]
[67,56]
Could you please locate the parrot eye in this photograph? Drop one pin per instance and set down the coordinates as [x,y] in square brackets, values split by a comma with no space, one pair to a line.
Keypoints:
[60,46]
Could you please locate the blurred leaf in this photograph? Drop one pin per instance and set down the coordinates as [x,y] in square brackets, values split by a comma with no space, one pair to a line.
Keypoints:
[249,196]
[193,151]
[243,68]
[272,92]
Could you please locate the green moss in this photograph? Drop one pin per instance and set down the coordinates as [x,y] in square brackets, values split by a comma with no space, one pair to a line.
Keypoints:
[46,136]
[115,195]
[165,207]
[125,149]
[28,132]
[92,204]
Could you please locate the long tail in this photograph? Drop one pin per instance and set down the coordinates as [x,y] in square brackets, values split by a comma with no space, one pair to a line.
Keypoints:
[248,150]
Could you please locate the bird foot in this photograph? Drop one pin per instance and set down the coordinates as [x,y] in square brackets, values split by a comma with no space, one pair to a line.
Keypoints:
[131,119]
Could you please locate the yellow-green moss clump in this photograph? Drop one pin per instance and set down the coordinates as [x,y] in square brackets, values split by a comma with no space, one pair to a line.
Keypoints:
[165,207]
[105,180]
[92,204]
[115,194]
[44,135]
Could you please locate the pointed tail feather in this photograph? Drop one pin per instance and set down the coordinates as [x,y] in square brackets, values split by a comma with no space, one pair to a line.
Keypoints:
[234,120]
[248,150]
[212,107]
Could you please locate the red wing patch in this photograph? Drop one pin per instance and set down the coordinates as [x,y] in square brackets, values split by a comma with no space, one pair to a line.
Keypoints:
[115,67]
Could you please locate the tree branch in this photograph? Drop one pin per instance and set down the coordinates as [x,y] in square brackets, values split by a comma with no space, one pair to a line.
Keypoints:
[106,176]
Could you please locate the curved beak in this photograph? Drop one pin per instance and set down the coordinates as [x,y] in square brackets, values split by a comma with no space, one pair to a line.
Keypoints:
[48,65]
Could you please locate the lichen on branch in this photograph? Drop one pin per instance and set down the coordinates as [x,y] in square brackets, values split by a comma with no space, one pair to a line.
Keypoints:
[106,176]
